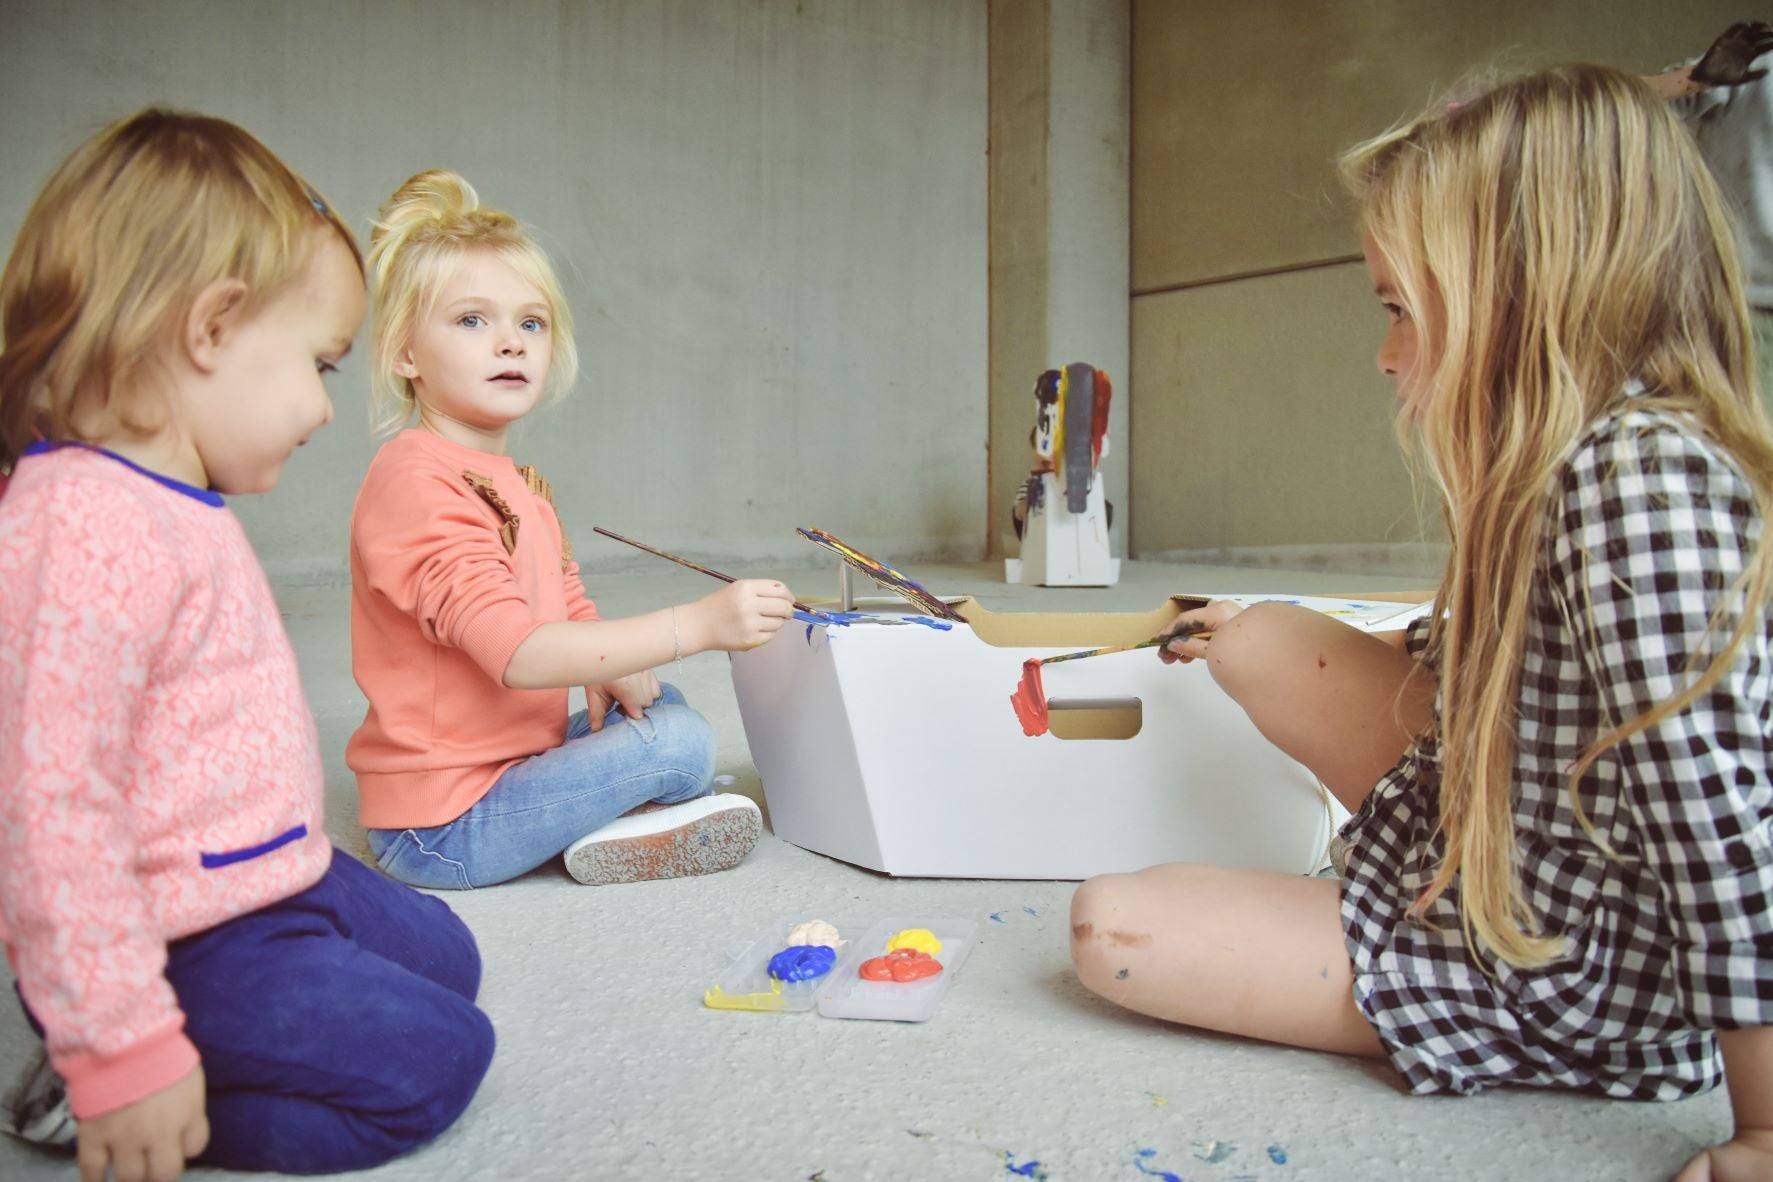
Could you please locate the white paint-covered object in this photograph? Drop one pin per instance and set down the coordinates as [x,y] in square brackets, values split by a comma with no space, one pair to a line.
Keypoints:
[896,748]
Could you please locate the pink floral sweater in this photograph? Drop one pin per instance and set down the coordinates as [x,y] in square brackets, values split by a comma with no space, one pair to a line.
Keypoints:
[159,768]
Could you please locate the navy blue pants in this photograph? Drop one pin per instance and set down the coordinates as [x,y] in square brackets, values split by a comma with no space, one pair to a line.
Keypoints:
[337,1027]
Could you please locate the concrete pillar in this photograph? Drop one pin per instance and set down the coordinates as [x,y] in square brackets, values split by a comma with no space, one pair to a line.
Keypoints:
[1060,281]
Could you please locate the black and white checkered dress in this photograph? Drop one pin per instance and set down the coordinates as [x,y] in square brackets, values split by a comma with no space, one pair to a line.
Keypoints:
[1675,939]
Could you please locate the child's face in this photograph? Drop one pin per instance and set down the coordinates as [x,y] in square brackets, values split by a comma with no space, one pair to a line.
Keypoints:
[269,396]
[1397,353]
[481,355]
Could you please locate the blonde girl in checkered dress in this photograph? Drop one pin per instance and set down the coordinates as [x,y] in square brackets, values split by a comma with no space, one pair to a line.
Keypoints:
[1559,870]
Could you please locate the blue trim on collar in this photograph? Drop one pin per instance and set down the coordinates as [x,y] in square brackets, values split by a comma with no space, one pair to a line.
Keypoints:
[208,496]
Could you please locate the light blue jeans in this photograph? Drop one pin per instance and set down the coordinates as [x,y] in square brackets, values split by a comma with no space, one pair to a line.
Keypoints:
[547,802]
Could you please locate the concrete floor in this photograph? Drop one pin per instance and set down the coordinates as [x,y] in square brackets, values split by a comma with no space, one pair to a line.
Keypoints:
[609,1067]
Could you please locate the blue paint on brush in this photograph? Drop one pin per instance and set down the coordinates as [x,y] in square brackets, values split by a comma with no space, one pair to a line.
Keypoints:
[1277,1155]
[1141,1156]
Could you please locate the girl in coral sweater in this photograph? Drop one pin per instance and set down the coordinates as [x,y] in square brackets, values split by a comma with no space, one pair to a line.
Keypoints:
[469,622]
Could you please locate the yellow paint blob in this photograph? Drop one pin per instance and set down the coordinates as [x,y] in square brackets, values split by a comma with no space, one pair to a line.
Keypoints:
[921,939]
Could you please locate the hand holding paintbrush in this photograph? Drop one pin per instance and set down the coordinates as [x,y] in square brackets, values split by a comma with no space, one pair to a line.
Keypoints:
[1030,700]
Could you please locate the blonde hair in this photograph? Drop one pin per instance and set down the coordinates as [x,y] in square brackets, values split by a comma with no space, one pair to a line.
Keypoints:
[137,221]
[420,235]
[1555,237]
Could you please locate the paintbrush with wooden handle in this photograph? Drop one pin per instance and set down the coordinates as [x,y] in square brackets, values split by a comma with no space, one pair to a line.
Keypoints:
[1154,642]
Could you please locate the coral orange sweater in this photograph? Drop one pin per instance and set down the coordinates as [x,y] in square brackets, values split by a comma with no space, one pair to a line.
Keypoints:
[456,557]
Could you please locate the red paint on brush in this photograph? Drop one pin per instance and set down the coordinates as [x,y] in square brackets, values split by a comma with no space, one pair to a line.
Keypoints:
[1030,700]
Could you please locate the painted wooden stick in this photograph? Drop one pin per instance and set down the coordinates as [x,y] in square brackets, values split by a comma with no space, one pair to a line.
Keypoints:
[669,557]
[1154,642]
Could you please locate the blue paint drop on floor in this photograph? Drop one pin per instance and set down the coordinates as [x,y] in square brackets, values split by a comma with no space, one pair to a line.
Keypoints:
[1028,1169]
[997,917]
[1277,1155]
[1140,1156]
[1032,912]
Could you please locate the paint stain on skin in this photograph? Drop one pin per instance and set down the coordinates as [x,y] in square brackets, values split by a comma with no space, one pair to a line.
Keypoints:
[1141,1160]
[1129,939]
[1121,976]
[1324,972]
[1080,931]
[1277,1155]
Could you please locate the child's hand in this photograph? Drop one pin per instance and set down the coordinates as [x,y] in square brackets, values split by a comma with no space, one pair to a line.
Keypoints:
[1747,1157]
[745,614]
[1187,646]
[633,693]
[147,1141]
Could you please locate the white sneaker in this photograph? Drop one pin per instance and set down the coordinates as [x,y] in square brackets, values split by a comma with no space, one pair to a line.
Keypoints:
[699,836]
[36,1107]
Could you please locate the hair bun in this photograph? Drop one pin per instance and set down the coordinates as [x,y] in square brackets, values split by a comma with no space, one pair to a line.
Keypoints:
[436,195]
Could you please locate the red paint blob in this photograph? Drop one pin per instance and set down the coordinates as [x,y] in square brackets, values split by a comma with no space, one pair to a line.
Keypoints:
[1030,700]
[901,964]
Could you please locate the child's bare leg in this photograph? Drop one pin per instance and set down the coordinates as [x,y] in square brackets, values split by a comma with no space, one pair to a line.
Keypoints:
[1240,951]
[1341,701]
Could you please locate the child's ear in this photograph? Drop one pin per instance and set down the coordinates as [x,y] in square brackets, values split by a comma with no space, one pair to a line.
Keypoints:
[211,322]
[404,365]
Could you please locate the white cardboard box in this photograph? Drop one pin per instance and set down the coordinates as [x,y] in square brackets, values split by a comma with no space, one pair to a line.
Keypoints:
[895,747]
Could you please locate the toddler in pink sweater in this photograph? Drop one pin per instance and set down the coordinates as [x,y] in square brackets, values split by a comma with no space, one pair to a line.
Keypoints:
[210,977]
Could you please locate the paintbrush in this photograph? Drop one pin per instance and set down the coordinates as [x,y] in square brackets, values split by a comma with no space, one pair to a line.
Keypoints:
[725,578]
[1030,698]
[1154,642]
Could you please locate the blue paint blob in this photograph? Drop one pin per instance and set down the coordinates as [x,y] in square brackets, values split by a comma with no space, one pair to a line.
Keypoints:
[1277,1155]
[1140,1156]
[1028,1169]
[802,962]
[997,917]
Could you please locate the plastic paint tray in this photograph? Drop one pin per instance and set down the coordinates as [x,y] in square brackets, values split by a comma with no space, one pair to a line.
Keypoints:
[747,985]
[843,994]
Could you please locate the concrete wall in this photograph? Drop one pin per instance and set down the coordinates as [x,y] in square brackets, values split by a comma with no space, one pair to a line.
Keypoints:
[1259,419]
[769,215]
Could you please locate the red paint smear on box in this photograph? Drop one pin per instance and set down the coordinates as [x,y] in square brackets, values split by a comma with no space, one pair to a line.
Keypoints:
[1030,700]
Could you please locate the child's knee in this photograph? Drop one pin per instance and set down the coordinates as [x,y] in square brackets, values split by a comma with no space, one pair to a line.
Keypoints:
[1248,645]
[420,1107]
[1094,910]
[685,742]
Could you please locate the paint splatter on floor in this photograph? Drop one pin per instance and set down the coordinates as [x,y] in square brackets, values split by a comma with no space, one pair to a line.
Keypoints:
[1028,1169]
[1143,1156]
[1277,1155]
[998,917]
[1158,1099]
[1214,1152]
[1032,911]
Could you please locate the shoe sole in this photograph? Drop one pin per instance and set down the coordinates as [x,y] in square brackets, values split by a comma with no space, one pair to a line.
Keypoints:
[706,845]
